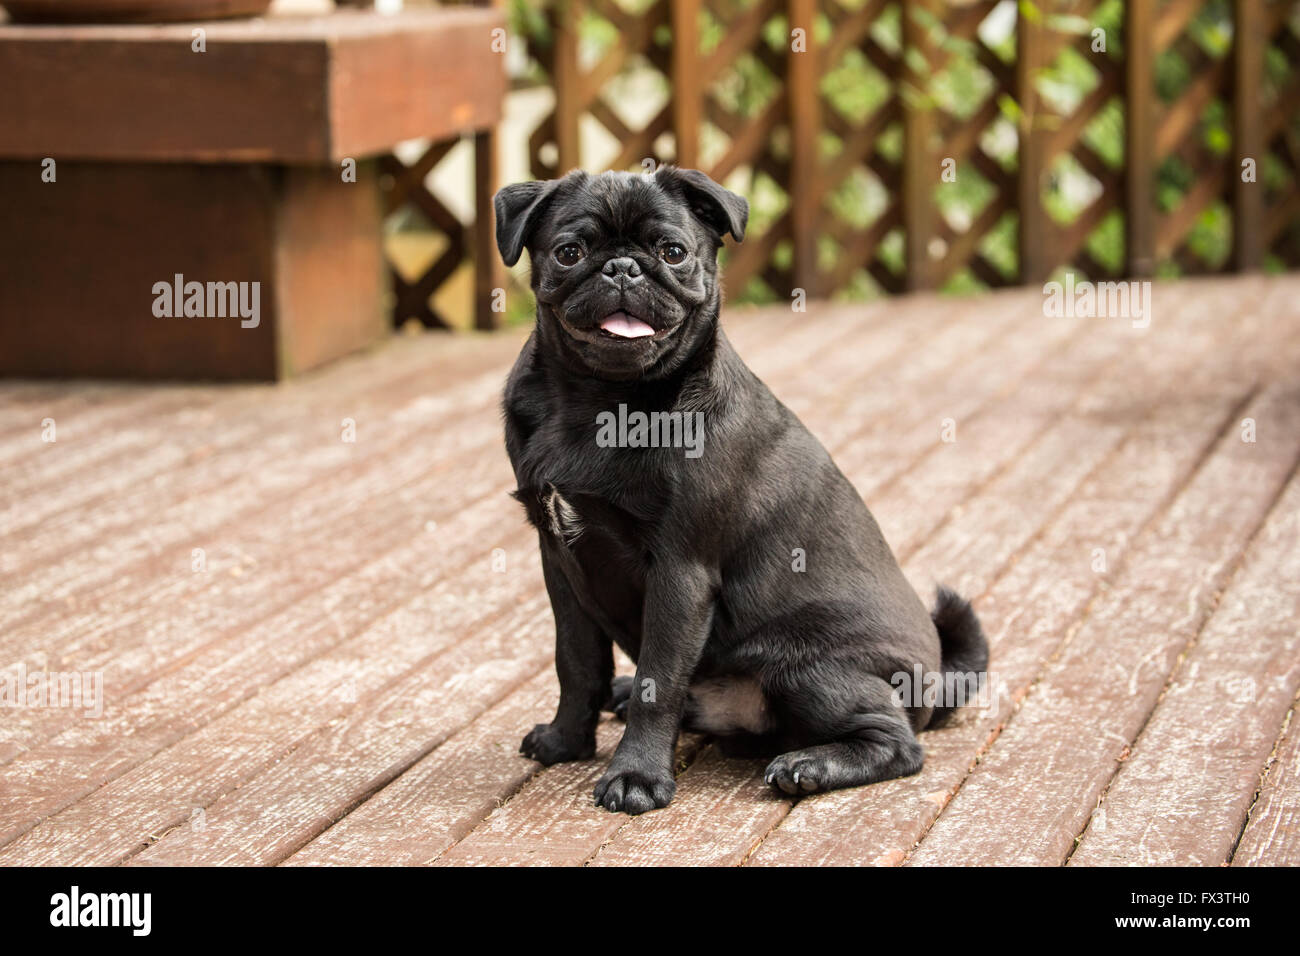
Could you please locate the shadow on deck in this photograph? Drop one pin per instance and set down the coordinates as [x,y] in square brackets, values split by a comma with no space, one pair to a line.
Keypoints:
[316,650]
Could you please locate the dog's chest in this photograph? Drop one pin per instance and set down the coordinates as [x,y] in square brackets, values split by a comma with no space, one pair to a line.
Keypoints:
[598,509]
[603,552]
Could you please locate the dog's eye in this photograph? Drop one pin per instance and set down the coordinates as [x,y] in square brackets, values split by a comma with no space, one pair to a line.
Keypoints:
[569,254]
[673,254]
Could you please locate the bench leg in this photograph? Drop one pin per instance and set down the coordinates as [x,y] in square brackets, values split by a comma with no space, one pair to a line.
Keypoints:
[83,257]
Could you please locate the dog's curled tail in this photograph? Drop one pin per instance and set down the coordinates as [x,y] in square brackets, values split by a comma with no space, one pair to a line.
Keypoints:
[964,652]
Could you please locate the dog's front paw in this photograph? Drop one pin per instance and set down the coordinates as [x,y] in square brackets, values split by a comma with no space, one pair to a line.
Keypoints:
[548,744]
[635,790]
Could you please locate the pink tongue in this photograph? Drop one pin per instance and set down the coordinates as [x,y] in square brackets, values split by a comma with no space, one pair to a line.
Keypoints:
[622,324]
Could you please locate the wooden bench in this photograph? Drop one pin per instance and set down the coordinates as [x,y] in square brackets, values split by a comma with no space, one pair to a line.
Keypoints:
[129,157]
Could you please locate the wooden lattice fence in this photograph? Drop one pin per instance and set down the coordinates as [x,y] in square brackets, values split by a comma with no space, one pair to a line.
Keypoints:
[917,144]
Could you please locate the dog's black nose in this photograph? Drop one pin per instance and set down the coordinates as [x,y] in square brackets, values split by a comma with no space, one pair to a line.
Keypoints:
[623,269]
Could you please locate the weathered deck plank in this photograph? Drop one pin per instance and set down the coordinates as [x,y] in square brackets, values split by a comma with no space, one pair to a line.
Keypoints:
[182,611]
[351,684]
[382,735]
[83,414]
[1033,791]
[1272,834]
[471,774]
[222,684]
[189,442]
[1182,795]
[293,456]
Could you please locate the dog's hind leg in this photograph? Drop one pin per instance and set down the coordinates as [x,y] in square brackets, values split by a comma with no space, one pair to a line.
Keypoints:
[880,753]
[863,739]
[620,695]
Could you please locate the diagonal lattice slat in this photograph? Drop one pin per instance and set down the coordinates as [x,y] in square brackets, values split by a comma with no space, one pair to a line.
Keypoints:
[1104,154]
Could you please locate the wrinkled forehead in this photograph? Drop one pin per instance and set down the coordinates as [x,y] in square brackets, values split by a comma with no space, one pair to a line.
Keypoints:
[619,204]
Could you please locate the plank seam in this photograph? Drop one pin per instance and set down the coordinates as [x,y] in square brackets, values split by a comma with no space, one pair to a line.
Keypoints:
[533,773]
[323,729]
[298,598]
[1264,772]
[1012,460]
[1233,567]
[1098,594]
[389,779]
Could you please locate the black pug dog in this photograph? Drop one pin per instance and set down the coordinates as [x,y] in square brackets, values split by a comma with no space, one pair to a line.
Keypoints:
[718,545]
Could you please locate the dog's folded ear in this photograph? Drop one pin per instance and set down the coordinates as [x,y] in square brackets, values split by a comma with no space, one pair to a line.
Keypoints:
[516,208]
[720,209]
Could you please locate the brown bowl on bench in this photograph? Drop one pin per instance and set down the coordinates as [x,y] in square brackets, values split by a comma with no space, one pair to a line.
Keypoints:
[129,11]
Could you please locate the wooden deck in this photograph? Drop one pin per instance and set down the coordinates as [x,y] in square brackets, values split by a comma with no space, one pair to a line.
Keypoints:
[346,676]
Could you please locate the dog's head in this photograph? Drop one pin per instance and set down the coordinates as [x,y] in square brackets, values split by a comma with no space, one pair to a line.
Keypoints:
[624,265]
